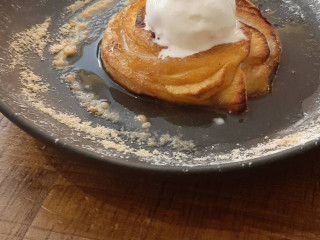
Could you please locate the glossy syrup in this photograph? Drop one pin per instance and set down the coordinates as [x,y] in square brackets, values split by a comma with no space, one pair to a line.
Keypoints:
[293,91]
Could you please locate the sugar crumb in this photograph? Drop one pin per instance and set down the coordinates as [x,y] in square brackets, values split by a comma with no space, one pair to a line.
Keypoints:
[77,5]
[95,8]
[33,40]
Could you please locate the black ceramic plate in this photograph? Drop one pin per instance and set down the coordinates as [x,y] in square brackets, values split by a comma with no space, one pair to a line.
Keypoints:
[277,125]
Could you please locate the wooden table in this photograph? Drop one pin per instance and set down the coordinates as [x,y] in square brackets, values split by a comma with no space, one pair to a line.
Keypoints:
[47,195]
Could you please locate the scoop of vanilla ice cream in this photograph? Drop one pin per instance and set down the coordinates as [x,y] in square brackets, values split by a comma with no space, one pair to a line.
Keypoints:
[187,27]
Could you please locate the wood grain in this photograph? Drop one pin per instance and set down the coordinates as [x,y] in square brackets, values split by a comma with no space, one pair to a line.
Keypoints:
[45,194]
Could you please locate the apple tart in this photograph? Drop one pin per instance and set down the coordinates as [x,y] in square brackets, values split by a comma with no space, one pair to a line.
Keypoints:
[222,77]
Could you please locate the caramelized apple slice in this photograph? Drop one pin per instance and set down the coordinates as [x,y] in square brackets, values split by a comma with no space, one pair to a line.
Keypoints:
[234,97]
[251,16]
[244,3]
[131,57]
[255,68]
[222,77]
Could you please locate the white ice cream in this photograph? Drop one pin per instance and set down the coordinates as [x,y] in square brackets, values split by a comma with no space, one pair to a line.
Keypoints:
[187,27]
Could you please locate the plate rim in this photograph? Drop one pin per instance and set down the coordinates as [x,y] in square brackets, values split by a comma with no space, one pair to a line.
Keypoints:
[44,137]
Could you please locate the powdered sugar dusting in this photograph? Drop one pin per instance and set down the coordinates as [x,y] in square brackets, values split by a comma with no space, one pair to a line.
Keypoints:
[145,145]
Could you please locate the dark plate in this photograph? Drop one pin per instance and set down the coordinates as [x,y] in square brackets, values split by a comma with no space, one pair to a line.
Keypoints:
[278,125]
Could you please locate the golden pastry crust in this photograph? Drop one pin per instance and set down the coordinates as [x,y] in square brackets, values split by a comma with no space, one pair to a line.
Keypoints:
[217,77]
[258,75]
